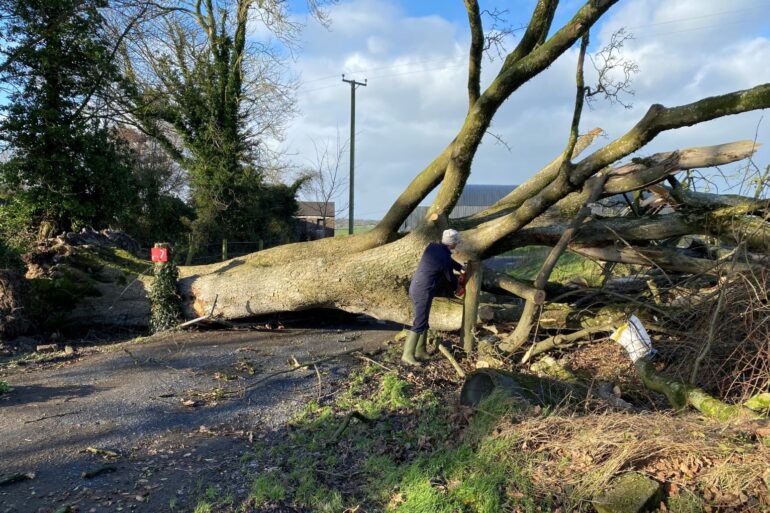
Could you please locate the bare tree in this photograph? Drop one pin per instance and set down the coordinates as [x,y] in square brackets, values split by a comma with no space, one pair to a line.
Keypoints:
[326,181]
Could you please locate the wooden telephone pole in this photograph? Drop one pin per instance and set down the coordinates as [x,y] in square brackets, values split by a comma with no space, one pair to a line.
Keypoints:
[353,87]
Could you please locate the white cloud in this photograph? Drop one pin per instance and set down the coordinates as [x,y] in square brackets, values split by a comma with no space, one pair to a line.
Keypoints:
[416,96]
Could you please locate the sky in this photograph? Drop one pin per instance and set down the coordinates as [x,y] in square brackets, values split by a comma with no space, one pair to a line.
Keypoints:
[414,53]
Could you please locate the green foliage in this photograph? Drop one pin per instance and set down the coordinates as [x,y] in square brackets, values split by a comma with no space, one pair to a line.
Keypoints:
[393,391]
[241,206]
[65,166]
[203,506]
[205,86]
[10,257]
[165,302]
[4,387]
[15,237]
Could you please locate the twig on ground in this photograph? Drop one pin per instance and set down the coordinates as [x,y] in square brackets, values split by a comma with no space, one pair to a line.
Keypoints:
[352,415]
[371,360]
[452,360]
[46,417]
[154,361]
[104,469]
[16,478]
[252,385]
[318,375]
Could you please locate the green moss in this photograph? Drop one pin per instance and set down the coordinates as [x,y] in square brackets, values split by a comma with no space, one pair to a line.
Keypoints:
[52,299]
[96,258]
[685,502]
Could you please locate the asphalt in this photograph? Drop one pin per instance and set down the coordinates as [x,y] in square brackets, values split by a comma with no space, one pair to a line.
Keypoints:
[173,407]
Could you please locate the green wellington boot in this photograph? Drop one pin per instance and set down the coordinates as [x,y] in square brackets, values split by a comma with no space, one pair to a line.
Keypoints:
[420,352]
[409,346]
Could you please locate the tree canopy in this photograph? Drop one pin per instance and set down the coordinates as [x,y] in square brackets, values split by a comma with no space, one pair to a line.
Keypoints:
[65,165]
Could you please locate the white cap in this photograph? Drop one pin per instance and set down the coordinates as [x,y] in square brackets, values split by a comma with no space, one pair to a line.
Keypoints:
[450,237]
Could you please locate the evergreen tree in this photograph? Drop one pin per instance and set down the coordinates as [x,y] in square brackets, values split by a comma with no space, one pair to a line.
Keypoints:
[66,167]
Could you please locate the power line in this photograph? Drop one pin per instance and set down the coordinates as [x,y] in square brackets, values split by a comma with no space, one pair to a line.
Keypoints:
[693,29]
[391,75]
[667,22]
[426,70]
[380,68]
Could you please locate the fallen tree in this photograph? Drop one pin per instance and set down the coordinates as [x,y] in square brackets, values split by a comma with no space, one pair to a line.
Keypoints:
[370,273]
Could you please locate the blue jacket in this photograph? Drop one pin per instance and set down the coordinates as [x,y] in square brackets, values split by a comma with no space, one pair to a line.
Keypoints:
[436,263]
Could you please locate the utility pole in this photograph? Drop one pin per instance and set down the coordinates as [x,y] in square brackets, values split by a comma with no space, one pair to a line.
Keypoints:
[353,86]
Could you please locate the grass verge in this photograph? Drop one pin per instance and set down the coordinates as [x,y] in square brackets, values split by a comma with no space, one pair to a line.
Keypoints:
[420,452]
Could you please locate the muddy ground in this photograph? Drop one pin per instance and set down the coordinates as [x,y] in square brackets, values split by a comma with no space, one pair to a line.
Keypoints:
[172,408]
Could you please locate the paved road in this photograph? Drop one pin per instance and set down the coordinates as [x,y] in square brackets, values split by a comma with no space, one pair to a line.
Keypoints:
[172,406]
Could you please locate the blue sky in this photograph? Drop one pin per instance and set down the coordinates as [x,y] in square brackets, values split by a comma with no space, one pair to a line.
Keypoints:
[414,55]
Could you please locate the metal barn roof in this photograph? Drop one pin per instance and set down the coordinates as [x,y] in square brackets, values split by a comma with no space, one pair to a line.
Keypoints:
[482,195]
[474,198]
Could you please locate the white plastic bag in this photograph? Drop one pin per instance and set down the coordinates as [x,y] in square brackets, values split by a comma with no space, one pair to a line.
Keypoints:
[634,339]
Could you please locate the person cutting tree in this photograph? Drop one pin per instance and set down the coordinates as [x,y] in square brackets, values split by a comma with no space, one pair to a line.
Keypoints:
[435,265]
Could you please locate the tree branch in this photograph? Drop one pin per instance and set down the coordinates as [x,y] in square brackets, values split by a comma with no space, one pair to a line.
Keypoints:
[516,339]
[537,30]
[476,51]
[655,121]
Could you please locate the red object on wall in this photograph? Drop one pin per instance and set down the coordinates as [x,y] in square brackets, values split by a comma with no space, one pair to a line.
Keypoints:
[159,254]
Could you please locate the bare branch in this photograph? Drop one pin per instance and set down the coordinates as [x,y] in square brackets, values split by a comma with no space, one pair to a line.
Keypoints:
[608,63]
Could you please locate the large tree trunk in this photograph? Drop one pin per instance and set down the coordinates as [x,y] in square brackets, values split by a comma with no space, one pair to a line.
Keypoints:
[373,282]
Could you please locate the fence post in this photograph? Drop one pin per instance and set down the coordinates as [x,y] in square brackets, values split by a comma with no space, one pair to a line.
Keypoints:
[261,244]
[224,249]
[190,250]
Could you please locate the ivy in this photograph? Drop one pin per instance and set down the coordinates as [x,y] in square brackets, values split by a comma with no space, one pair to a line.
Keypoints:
[165,301]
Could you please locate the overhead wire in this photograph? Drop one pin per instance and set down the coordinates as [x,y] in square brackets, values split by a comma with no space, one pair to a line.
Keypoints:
[448,67]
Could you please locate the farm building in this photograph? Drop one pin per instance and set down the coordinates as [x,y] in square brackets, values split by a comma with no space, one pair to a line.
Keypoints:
[315,220]
[474,198]
[477,197]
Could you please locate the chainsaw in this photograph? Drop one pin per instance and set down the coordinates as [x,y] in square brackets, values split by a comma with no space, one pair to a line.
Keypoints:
[461,281]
